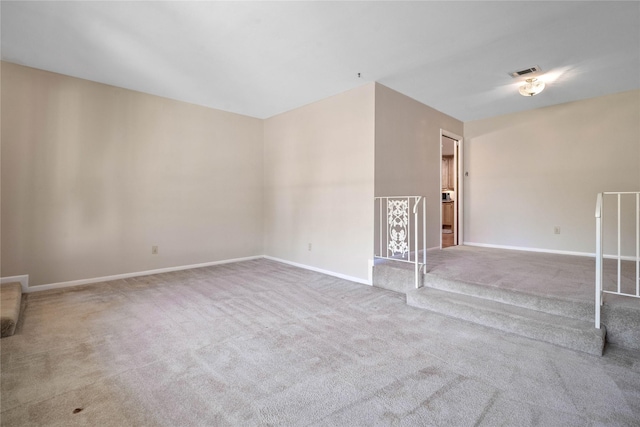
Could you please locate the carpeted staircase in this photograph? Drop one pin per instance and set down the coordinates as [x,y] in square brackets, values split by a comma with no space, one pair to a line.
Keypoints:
[529,316]
[558,321]
[10,299]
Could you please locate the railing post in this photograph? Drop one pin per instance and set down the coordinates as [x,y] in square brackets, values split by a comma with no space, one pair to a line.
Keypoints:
[424,232]
[598,299]
[381,224]
[619,245]
[415,242]
[386,232]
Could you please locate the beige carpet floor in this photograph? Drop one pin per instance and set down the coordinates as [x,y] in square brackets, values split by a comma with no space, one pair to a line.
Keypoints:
[262,343]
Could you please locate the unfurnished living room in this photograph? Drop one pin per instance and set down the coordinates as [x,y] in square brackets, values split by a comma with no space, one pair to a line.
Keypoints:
[320,213]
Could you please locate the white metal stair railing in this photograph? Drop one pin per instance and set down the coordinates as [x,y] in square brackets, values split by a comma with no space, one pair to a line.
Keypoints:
[600,251]
[394,238]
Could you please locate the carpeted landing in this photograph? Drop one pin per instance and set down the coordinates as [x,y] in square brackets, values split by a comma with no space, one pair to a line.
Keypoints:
[262,343]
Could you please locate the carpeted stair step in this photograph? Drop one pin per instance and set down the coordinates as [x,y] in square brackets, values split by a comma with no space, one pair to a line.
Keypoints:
[394,276]
[563,307]
[563,331]
[10,299]
[623,321]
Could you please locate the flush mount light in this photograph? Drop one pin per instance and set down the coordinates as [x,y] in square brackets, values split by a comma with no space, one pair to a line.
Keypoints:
[531,87]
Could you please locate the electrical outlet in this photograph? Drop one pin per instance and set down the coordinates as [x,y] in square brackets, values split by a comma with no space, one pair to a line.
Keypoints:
[309,246]
[154,250]
[556,229]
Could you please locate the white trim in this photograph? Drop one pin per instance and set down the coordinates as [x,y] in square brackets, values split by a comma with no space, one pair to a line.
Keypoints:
[80,282]
[458,203]
[24,281]
[547,251]
[623,257]
[440,189]
[460,193]
[320,270]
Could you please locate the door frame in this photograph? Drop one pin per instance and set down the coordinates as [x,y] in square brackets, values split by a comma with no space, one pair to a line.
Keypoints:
[458,186]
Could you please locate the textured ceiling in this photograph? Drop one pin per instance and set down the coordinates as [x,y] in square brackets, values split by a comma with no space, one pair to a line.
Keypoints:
[264,58]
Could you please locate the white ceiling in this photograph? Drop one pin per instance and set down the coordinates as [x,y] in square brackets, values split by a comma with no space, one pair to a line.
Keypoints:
[264,58]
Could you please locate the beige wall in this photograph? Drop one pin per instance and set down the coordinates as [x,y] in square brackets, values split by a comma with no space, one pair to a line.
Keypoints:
[407,152]
[318,181]
[534,170]
[93,176]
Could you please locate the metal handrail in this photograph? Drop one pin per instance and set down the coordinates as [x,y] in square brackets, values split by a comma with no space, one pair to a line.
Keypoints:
[599,215]
[424,235]
[598,258]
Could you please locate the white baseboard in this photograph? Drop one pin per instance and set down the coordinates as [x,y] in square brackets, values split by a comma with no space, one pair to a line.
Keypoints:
[24,281]
[624,258]
[80,282]
[320,270]
[547,251]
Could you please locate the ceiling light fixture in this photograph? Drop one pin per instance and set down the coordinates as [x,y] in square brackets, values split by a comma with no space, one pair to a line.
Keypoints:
[531,87]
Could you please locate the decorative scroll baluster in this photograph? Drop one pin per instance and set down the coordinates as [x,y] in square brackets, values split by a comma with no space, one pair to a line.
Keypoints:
[398,220]
[396,228]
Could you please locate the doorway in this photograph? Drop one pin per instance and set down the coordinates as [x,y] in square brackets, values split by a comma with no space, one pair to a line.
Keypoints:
[451,185]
